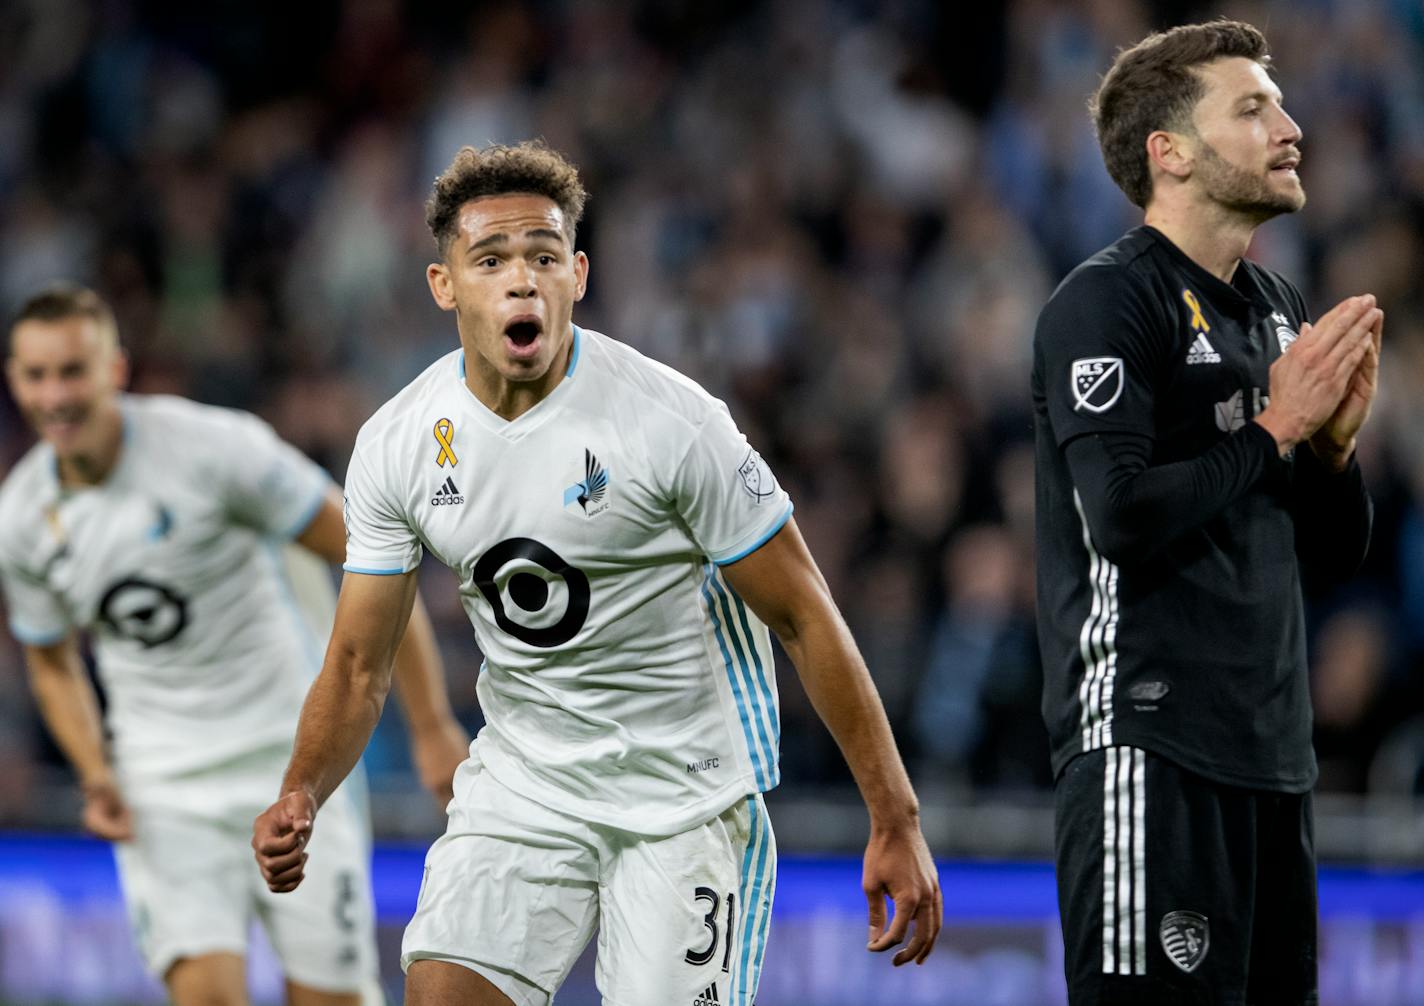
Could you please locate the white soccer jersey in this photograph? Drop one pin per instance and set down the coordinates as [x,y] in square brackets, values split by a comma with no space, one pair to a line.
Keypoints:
[624,681]
[173,565]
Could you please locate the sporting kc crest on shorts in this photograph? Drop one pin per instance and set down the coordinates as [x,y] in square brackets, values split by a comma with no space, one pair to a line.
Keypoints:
[1186,937]
[1097,383]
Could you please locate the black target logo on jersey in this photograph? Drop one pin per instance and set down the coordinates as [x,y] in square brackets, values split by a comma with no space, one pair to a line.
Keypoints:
[548,598]
[148,613]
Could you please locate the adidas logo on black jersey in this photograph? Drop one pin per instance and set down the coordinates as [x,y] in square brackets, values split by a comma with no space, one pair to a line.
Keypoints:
[708,997]
[447,494]
[1202,351]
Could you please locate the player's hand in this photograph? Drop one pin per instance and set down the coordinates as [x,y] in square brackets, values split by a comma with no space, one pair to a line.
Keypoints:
[1334,442]
[279,838]
[437,752]
[898,865]
[105,813]
[1309,380]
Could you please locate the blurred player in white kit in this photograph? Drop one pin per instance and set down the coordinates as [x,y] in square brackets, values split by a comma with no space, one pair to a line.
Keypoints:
[621,552]
[159,527]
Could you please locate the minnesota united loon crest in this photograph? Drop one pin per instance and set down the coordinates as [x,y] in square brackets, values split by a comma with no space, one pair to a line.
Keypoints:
[590,492]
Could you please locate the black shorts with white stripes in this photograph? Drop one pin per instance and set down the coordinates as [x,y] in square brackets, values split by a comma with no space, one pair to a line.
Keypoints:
[1173,889]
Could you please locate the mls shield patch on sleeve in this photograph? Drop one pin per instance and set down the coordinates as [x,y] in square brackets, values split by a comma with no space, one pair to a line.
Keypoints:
[1097,383]
[756,476]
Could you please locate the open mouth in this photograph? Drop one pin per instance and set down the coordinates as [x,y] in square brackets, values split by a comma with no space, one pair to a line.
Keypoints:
[523,332]
[61,424]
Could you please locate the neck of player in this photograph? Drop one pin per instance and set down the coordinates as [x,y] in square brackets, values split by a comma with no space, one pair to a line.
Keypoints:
[1211,235]
[90,464]
[509,398]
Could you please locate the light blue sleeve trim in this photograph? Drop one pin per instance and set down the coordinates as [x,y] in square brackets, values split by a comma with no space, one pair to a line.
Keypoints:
[573,357]
[33,637]
[373,572]
[760,541]
[309,513]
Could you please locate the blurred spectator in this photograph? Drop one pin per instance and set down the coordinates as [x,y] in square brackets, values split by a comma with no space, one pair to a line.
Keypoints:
[976,711]
[1351,695]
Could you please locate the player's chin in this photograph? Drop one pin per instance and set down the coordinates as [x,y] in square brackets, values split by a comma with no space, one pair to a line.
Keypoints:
[521,370]
[1290,192]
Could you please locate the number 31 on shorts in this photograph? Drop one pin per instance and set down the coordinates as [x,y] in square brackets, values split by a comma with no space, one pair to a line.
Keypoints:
[700,956]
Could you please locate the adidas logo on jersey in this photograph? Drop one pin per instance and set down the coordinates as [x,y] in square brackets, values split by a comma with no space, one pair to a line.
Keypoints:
[447,494]
[708,997]
[1202,351]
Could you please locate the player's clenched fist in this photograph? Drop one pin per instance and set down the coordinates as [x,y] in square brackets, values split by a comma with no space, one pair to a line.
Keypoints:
[279,839]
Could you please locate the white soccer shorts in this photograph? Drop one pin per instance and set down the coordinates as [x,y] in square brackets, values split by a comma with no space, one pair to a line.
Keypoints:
[514,891]
[192,886]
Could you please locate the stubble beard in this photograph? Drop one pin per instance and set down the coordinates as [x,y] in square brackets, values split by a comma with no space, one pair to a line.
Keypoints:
[1244,192]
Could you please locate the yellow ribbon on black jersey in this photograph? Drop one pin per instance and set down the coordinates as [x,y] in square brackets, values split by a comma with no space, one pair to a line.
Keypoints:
[1199,323]
[444,432]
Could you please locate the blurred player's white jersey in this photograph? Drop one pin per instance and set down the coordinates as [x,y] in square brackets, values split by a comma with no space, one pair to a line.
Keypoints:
[624,683]
[173,564]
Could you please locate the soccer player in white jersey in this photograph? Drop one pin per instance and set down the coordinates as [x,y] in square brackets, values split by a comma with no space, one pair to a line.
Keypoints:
[156,525]
[621,552]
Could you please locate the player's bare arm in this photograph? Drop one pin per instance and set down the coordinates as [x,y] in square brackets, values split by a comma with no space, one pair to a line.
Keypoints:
[438,742]
[1309,382]
[70,710]
[783,586]
[339,714]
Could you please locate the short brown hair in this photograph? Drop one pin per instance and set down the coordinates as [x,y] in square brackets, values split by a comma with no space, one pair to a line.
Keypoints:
[1154,85]
[68,300]
[528,168]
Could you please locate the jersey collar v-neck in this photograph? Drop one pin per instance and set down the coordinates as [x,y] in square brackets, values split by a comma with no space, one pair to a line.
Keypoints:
[533,418]
[122,462]
[1241,297]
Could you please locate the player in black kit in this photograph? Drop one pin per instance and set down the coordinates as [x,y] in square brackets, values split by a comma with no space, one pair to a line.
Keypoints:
[1195,448]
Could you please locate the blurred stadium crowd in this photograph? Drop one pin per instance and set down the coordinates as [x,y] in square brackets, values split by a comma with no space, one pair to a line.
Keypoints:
[842,217]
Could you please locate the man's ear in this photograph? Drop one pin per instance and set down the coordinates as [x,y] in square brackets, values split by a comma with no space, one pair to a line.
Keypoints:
[442,288]
[122,370]
[580,275]
[1171,153]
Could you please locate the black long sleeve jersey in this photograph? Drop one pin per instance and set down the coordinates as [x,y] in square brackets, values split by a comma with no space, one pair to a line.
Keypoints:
[1170,533]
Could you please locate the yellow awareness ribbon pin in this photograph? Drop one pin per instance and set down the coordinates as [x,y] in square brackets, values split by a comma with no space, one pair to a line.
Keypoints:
[1198,321]
[444,430]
